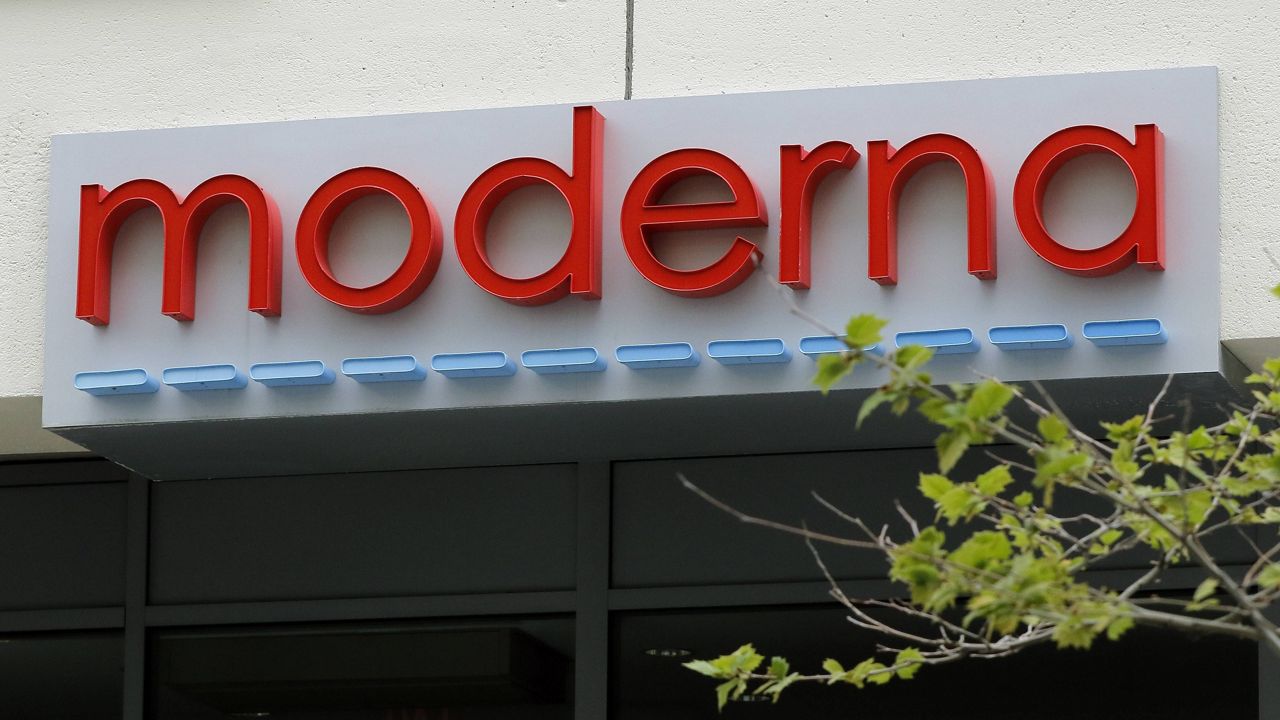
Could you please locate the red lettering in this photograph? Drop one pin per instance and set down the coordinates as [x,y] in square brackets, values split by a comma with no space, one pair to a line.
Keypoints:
[420,261]
[888,172]
[800,175]
[578,270]
[1142,240]
[102,213]
[642,215]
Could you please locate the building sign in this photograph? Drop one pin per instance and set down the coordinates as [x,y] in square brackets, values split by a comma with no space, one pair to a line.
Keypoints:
[632,250]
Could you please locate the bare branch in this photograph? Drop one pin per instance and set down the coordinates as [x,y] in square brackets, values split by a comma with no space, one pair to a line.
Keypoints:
[879,539]
[783,527]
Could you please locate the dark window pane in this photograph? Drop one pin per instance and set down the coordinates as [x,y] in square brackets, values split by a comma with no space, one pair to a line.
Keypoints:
[469,671]
[71,676]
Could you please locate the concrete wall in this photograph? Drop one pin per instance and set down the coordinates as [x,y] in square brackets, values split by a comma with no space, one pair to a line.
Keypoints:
[82,66]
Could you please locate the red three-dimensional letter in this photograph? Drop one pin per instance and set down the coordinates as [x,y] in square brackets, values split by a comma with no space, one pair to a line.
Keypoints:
[642,215]
[800,175]
[420,261]
[1142,240]
[578,270]
[888,172]
[102,213]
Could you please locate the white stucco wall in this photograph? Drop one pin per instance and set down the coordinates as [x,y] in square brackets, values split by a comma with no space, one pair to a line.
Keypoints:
[81,66]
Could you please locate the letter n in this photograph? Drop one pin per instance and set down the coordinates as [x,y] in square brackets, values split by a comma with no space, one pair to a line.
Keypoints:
[888,172]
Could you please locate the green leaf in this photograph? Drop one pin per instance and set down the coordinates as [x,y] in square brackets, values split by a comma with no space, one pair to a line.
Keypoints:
[1270,576]
[722,692]
[834,669]
[1119,626]
[776,687]
[960,502]
[911,658]
[1199,439]
[704,667]
[873,401]
[879,678]
[1205,589]
[1127,430]
[982,550]
[988,399]
[783,684]
[779,667]
[1071,464]
[939,410]
[1276,291]
[1024,499]
[863,330]
[862,673]
[994,481]
[900,404]
[1074,633]
[741,661]
[747,658]
[910,357]
[951,447]
[831,368]
[1051,428]
[1110,537]
[1272,365]
[934,486]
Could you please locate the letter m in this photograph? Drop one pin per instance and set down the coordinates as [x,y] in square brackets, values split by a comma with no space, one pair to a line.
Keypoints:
[102,213]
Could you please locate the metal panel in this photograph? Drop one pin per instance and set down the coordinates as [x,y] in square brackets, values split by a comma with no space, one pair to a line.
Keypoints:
[663,535]
[62,546]
[61,472]
[350,536]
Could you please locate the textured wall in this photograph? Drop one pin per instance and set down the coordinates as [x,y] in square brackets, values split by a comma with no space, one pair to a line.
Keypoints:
[81,66]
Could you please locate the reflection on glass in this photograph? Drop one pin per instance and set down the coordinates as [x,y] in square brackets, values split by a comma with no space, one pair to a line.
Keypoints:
[61,676]
[369,673]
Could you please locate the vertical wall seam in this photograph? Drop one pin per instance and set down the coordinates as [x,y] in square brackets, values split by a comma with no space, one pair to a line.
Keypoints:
[136,574]
[631,49]
[591,599]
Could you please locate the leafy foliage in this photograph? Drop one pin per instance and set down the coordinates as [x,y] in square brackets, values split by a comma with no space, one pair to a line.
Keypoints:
[998,571]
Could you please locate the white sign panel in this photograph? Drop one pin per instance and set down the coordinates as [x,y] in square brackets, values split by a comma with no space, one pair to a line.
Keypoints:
[630,250]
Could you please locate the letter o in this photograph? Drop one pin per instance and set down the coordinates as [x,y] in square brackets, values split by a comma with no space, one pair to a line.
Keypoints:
[414,273]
